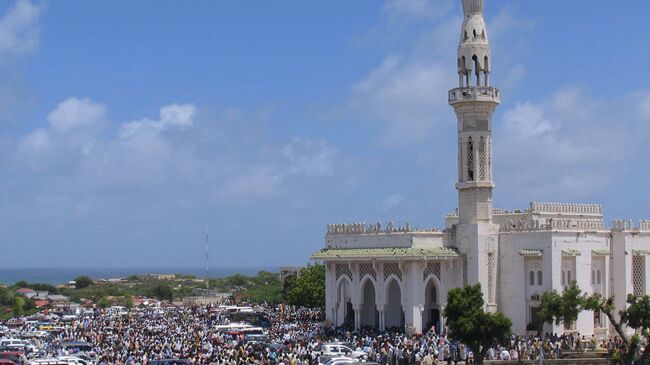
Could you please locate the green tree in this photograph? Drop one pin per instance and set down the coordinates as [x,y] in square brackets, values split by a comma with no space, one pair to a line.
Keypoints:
[563,307]
[636,316]
[163,292]
[6,297]
[309,287]
[21,284]
[18,308]
[468,322]
[82,282]
[288,284]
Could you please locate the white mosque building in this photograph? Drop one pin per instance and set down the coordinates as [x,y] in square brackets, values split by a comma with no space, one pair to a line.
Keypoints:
[388,276]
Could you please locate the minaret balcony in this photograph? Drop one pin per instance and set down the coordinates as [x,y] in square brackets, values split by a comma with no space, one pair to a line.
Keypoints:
[465,185]
[474,93]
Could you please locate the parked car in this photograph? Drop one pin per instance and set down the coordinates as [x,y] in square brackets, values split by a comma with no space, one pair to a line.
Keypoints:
[337,350]
[169,362]
[341,361]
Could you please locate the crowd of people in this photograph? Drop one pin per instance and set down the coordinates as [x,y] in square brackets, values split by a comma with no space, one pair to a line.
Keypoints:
[292,339]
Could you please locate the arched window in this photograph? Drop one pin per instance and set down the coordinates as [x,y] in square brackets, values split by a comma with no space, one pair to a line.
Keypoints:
[598,276]
[539,278]
[475,35]
[470,160]
[434,294]
[481,159]
[477,70]
[486,70]
[531,278]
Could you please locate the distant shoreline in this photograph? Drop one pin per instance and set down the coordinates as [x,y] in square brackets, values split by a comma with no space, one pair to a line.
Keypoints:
[55,276]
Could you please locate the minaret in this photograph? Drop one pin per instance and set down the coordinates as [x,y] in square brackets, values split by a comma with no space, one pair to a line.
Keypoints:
[474,101]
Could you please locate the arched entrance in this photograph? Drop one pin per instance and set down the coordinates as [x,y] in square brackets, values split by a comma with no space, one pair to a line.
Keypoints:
[369,314]
[431,315]
[344,312]
[394,313]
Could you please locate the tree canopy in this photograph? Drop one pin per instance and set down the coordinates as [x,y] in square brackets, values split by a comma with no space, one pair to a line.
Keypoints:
[468,322]
[309,287]
[563,307]
[82,282]
[636,316]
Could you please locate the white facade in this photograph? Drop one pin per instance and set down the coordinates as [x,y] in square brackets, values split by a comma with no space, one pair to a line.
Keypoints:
[398,276]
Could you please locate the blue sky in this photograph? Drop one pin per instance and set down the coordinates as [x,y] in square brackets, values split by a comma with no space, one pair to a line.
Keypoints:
[127,128]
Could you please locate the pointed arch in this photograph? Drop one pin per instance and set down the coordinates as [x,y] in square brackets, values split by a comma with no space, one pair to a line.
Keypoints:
[394,295]
[433,301]
[369,314]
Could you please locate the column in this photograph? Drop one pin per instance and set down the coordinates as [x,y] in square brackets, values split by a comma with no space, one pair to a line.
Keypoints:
[357,318]
[382,319]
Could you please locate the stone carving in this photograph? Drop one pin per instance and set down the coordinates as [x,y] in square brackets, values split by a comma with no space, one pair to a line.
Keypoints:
[528,224]
[565,208]
[644,225]
[374,228]
[628,225]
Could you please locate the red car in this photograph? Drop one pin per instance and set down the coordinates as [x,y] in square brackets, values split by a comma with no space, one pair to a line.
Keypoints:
[14,356]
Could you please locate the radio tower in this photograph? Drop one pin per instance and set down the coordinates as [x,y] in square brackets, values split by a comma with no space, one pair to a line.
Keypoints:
[207,275]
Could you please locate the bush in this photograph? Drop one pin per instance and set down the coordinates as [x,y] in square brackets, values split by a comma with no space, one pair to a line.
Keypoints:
[82,282]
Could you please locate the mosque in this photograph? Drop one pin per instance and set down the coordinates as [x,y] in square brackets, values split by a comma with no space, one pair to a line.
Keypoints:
[387,276]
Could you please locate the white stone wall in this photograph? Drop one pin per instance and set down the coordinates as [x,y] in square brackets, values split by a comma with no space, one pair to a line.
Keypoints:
[382,239]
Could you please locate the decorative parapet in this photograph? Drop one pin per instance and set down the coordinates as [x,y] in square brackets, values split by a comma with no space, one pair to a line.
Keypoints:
[570,224]
[473,93]
[453,214]
[521,225]
[640,252]
[644,225]
[570,252]
[531,253]
[600,252]
[621,225]
[363,228]
[385,252]
[552,224]
[562,208]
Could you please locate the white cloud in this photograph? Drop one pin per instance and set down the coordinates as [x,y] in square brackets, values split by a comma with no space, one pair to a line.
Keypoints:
[309,157]
[76,113]
[180,116]
[35,141]
[527,120]
[644,107]
[567,147]
[407,98]
[19,31]
[259,182]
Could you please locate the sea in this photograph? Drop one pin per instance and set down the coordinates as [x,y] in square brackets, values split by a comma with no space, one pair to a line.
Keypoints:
[56,276]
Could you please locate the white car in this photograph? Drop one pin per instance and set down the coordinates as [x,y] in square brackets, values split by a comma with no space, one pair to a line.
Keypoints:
[52,361]
[16,343]
[341,361]
[73,360]
[338,350]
